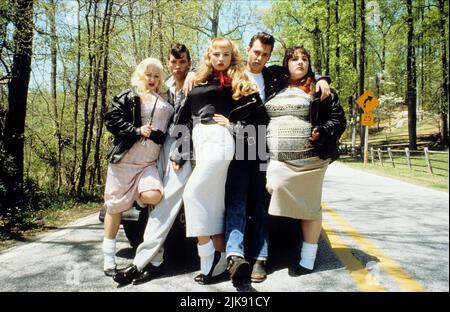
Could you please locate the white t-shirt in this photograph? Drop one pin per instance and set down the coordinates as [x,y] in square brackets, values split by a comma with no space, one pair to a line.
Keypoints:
[258,79]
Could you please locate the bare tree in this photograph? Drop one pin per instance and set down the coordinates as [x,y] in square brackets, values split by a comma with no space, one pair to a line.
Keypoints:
[213,12]
[104,56]
[85,143]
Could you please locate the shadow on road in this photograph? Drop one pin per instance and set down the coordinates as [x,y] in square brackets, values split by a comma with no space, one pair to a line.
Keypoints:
[284,250]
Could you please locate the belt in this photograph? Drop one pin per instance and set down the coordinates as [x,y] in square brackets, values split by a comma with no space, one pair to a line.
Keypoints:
[286,156]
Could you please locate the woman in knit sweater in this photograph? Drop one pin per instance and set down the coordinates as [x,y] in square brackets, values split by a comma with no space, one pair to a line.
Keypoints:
[302,139]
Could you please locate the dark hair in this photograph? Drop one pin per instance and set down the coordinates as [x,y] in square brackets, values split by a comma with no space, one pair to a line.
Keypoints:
[265,38]
[306,83]
[177,49]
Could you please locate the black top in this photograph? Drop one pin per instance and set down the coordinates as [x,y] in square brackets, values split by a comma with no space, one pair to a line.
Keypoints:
[206,100]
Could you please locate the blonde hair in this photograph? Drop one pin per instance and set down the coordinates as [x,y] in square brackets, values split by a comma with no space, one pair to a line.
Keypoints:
[138,79]
[241,84]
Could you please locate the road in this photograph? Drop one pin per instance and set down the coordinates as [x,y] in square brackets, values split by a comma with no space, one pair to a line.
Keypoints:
[379,234]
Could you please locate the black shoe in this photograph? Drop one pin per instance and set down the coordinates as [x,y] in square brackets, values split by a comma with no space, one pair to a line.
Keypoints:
[126,276]
[209,278]
[299,270]
[110,272]
[149,272]
[239,270]
[259,273]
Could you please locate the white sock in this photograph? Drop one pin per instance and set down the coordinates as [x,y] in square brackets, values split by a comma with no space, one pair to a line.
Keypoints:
[221,266]
[156,263]
[308,255]
[109,253]
[206,253]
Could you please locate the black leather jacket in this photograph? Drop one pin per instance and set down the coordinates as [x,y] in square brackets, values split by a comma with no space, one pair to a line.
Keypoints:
[123,120]
[328,117]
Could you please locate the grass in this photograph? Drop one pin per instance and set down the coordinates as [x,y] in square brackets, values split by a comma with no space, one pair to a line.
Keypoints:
[57,215]
[427,131]
[427,135]
[419,175]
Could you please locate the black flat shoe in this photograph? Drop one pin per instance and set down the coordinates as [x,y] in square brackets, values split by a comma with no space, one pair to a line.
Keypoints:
[126,276]
[299,270]
[150,272]
[110,272]
[203,279]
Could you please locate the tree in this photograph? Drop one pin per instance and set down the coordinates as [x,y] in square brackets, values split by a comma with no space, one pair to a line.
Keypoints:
[18,85]
[444,92]
[213,11]
[362,59]
[411,79]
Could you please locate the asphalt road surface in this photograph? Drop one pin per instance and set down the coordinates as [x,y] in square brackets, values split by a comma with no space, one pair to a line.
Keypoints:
[379,234]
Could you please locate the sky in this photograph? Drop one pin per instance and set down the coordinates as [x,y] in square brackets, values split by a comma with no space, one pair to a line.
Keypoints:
[40,73]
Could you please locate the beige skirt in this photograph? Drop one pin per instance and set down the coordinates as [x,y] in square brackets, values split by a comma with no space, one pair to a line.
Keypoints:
[296,192]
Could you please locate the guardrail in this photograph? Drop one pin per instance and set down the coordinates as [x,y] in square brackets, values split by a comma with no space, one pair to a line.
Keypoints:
[430,163]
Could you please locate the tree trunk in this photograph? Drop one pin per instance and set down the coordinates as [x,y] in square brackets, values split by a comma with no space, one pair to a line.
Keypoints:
[215,19]
[327,36]
[76,103]
[133,32]
[362,61]
[317,41]
[445,91]
[103,91]
[53,77]
[18,86]
[84,144]
[99,51]
[160,33]
[338,48]
[411,80]
[355,44]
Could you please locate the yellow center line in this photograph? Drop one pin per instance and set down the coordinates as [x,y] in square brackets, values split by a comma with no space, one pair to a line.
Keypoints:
[389,266]
[361,276]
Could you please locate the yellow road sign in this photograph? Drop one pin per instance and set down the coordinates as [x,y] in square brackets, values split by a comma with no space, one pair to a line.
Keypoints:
[367,101]
[367,119]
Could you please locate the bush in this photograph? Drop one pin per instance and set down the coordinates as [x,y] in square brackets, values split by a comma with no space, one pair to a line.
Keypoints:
[18,201]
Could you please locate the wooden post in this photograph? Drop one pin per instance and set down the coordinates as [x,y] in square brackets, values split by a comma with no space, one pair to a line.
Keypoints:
[372,155]
[427,157]
[390,157]
[408,159]
[380,157]
[366,145]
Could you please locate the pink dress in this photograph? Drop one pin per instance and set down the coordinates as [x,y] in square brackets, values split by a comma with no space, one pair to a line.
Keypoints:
[136,172]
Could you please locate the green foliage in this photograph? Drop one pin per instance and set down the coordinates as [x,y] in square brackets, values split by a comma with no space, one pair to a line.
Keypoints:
[18,202]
